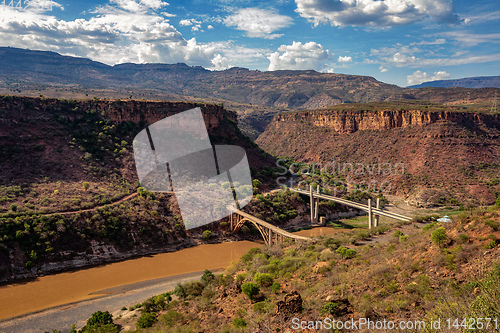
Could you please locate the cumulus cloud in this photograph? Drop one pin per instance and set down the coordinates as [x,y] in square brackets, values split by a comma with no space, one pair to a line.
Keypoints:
[375,12]
[310,55]
[120,31]
[382,69]
[258,22]
[419,77]
[345,59]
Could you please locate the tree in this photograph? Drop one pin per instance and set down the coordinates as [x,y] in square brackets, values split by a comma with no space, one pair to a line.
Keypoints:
[86,185]
[250,289]
[438,236]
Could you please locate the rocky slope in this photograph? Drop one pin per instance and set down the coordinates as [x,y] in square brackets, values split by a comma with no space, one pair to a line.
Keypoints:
[432,154]
[59,156]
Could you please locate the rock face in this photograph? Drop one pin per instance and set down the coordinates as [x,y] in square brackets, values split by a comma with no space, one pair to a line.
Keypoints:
[453,154]
[350,121]
[292,303]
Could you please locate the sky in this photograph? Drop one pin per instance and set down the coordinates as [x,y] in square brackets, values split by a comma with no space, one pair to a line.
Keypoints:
[403,42]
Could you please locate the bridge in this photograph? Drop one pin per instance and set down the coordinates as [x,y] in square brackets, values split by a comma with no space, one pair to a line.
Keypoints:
[271,234]
[373,212]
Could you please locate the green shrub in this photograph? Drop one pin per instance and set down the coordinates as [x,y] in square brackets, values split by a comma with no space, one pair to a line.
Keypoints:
[85,185]
[207,234]
[329,308]
[263,279]
[346,253]
[100,322]
[438,236]
[397,234]
[492,224]
[463,238]
[250,289]
[207,276]
[262,307]
[275,287]
[13,207]
[241,277]
[239,322]
[147,319]
[490,245]
[171,317]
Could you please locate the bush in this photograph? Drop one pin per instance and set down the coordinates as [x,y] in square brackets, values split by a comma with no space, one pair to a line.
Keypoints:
[239,322]
[241,277]
[329,308]
[275,287]
[261,307]
[85,185]
[100,322]
[346,253]
[497,202]
[207,234]
[171,317]
[147,319]
[207,276]
[263,279]
[250,289]
[397,234]
[463,238]
[13,207]
[438,236]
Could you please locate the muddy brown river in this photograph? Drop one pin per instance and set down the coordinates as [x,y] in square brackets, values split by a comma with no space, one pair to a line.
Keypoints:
[62,288]
[52,290]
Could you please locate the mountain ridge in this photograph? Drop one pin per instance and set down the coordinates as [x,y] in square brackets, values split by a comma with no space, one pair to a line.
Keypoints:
[467,82]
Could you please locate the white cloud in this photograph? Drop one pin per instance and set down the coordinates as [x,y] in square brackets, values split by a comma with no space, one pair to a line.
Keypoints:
[345,59]
[209,27]
[310,55]
[120,31]
[419,77]
[382,69]
[472,39]
[185,23]
[257,22]
[375,12]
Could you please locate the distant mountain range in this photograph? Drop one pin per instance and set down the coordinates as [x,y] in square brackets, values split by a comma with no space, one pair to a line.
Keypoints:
[256,96]
[468,82]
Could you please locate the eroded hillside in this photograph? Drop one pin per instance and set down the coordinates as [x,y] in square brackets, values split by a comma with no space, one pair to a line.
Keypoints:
[444,155]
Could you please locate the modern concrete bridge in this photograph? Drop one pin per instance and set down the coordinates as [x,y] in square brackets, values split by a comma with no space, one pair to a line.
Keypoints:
[373,212]
[272,234]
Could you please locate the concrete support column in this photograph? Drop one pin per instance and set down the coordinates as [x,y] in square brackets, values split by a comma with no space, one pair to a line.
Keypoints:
[316,207]
[311,203]
[322,221]
[370,215]
[377,217]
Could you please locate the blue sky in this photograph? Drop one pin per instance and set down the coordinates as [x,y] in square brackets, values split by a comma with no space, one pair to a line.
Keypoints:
[402,42]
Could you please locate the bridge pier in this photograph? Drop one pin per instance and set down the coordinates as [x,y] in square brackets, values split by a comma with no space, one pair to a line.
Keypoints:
[311,203]
[377,217]
[370,215]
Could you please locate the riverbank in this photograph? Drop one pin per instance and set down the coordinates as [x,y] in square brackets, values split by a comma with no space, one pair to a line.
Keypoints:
[69,287]
[61,317]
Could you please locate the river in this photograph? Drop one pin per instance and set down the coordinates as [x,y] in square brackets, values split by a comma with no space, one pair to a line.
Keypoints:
[82,284]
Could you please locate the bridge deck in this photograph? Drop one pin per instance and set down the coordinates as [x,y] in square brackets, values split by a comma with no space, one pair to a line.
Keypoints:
[269,226]
[357,205]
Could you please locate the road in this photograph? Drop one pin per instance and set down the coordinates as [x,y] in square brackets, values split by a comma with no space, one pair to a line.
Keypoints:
[62,317]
